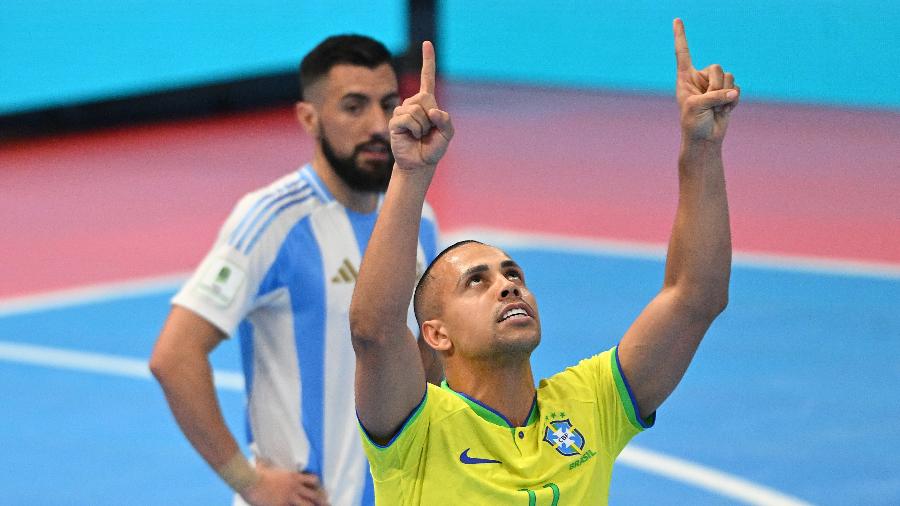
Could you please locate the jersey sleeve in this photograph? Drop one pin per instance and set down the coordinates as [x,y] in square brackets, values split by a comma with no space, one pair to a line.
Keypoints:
[617,408]
[224,287]
[401,455]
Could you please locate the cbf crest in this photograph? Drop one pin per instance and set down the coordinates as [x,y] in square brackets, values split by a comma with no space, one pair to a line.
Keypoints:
[562,435]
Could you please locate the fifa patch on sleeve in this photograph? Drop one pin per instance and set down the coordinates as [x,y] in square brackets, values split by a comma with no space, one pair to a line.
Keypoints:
[221,281]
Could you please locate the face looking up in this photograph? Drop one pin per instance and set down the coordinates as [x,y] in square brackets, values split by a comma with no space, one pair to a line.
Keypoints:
[484,308]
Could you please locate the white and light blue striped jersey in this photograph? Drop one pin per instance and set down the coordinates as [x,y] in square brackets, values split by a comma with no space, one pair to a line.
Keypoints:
[281,276]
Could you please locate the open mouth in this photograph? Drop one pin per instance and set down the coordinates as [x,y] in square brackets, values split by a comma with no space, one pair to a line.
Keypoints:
[517,312]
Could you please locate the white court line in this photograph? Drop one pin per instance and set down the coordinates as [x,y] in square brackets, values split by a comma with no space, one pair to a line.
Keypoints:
[98,363]
[503,238]
[656,251]
[705,478]
[640,458]
[91,293]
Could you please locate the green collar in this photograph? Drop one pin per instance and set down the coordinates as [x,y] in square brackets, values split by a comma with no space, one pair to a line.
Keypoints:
[490,414]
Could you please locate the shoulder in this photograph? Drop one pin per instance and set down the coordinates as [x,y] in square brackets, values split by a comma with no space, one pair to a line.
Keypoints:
[582,378]
[599,378]
[436,404]
[271,210]
[445,400]
[440,404]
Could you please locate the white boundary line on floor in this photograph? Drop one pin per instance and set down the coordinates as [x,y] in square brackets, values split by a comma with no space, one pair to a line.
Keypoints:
[87,294]
[503,238]
[705,478]
[653,251]
[98,363]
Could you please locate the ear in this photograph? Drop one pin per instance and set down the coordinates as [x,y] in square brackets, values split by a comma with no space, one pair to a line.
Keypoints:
[308,118]
[434,333]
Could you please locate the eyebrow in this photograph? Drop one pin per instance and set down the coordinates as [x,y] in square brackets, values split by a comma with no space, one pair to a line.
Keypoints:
[354,96]
[361,96]
[483,267]
[509,263]
[473,270]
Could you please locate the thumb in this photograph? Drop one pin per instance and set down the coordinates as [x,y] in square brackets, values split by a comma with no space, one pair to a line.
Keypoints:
[716,98]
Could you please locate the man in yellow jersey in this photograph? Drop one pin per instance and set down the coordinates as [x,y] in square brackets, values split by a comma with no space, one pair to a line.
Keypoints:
[487,436]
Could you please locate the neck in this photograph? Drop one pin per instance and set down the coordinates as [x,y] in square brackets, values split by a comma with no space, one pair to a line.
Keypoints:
[506,388]
[358,201]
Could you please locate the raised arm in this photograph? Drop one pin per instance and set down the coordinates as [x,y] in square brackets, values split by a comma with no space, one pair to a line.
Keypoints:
[656,351]
[390,381]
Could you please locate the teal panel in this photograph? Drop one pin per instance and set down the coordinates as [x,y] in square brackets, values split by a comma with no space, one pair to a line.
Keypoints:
[827,52]
[57,52]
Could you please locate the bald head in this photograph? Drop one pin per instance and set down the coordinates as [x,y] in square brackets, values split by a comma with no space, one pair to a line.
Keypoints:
[426,299]
[425,303]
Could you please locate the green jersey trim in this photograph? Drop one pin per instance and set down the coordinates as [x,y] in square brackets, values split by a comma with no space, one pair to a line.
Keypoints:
[488,414]
[409,421]
[627,397]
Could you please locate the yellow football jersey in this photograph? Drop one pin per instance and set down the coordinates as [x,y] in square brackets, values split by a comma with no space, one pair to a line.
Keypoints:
[454,450]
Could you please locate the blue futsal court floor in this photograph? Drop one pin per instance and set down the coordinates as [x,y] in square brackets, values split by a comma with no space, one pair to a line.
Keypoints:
[792,398]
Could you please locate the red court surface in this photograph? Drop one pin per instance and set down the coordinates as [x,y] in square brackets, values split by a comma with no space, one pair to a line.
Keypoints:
[148,200]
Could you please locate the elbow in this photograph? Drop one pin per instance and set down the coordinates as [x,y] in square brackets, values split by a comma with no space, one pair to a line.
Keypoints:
[360,328]
[359,332]
[716,294]
[369,335]
[371,325]
[167,364]
[364,333]
[704,304]
[713,302]
[160,365]
[718,303]
[704,296]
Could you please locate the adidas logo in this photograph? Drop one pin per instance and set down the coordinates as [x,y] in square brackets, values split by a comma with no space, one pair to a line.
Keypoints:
[346,273]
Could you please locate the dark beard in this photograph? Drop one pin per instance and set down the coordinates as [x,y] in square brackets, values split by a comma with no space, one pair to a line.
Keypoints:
[354,176]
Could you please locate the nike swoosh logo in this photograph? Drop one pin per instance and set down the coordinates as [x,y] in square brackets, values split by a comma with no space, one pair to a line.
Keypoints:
[466,459]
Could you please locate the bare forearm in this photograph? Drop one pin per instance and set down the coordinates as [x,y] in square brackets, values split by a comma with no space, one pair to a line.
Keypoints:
[191,395]
[699,257]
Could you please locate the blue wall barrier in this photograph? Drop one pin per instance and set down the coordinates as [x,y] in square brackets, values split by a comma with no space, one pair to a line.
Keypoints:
[59,52]
[835,52]
[839,52]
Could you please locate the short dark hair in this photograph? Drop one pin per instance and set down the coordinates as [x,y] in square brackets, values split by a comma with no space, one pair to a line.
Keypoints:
[418,302]
[341,49]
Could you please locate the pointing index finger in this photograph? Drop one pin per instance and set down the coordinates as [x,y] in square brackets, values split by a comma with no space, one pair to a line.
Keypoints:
[682,54]
[427,82]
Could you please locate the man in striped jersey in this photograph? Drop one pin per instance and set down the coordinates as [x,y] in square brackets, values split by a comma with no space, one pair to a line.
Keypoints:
[280,277]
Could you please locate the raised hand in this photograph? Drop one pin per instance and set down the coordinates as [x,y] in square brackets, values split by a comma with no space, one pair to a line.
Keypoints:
[420,131]
[705,97]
